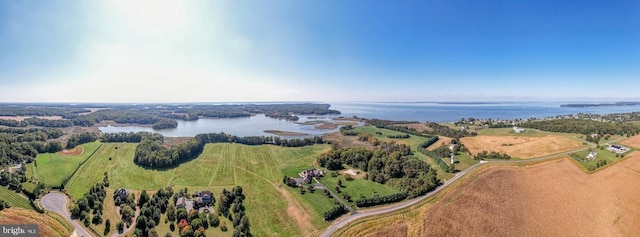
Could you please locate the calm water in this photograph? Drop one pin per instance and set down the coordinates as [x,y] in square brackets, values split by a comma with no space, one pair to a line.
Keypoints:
[248,126]
[436,112]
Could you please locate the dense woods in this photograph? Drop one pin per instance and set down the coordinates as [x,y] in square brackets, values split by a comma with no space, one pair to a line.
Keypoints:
[583,126]
[389,163]
[23,145]
[151,152]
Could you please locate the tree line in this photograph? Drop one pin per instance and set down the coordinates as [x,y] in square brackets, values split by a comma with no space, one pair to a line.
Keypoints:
[379,200]
[335,212]
[491,155]
[152,152]
[436,154]
[584,126]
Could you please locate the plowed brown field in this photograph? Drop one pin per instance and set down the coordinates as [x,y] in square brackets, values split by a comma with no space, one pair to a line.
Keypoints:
[47,226]
[632,142]
[550,199]
[521,146]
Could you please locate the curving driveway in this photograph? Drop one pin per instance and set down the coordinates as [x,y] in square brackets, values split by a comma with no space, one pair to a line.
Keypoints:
[57,202]
[394,207]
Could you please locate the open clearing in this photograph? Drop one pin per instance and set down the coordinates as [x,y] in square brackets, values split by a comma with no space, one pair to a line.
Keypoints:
[442,140]
[524,147]
[273,209]
[420,127]
[52,168]
[632,142]
[554,198]
[47,226]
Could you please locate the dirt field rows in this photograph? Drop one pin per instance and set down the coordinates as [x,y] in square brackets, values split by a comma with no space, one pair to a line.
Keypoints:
[632,142]
[550,199]
[521,146]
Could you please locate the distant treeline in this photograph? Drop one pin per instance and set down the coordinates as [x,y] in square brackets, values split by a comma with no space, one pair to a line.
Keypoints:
[39,110]
[159,116]
[389,163]
[23,145]
[151,152]
[583,126]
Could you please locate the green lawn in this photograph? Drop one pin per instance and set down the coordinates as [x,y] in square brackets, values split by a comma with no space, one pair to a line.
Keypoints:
[258,169]
[357,187]
[603,154]
[14,199]
[463,161]
[52,168]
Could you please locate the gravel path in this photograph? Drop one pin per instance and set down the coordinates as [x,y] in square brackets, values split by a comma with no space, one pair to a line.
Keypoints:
[57,202]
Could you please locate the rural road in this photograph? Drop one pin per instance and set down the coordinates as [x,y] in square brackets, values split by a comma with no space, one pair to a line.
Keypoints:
[57,202]
[335,196]
[394,207]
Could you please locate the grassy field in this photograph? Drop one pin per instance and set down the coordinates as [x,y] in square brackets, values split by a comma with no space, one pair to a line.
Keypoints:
[273,209]
[14,199]
[357,187]
[602,154]
[52,168]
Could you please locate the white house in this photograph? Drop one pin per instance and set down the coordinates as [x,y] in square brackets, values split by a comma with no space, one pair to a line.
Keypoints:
[617,149]
[592,155]
[517,129]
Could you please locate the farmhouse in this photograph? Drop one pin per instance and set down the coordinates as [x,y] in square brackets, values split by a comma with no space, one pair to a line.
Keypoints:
[517,129]
[206,197]
[307,175]
[122,193]
[592,155]
[617,149]
[181,203]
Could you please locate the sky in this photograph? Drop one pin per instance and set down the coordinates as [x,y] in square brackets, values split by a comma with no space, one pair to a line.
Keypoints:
[343,50]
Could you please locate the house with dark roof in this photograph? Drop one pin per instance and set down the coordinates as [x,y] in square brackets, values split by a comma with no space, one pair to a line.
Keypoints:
[122,193]
[206,197]
[181,203]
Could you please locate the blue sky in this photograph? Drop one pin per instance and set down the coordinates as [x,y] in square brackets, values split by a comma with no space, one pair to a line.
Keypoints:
[200,51]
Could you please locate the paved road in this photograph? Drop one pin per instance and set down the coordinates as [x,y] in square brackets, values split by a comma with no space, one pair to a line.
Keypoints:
[130,227]
[365,213]
[57,202]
